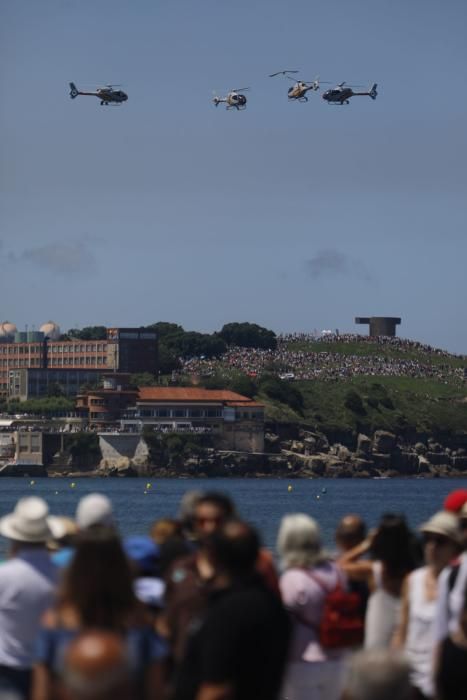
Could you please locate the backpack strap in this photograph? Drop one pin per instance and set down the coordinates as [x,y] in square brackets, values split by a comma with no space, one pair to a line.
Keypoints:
[452,578]
[297,615]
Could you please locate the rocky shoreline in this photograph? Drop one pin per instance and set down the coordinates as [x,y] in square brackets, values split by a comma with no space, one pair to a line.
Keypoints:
[383,455]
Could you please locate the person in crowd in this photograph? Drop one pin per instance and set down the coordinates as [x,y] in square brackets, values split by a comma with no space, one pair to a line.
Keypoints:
[188,579]
[27,586]
[144,555]
[93,510]
[211,510]
[312,671]
[350,532]
[97,593]
[415,632]
[463,525]
[166,529]
[393,555]
[451,590]
[66,541]
[451,672]
[169,536]
[96,667]
[238,647]
[186,512]
[378,674]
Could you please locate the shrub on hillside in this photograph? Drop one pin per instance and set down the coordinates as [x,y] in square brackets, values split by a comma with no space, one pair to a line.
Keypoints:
[282,391]
[353,401]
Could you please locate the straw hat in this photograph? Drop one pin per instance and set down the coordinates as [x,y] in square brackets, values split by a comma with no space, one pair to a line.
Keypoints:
[443,523]
[31,522]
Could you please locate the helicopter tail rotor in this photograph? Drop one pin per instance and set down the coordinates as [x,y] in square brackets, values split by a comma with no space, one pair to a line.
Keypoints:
[73,91]
[373,93]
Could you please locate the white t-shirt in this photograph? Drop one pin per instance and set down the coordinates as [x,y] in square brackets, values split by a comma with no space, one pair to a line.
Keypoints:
[419,640]
[382,613]
[27,587]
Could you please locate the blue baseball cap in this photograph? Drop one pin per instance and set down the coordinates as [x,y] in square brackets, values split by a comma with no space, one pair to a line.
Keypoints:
[142,550]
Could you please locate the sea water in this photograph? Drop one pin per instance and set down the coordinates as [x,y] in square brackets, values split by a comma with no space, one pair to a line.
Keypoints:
[139,502]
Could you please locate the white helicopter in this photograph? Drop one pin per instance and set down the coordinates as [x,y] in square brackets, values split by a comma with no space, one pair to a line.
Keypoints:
[300,87]
[233,99]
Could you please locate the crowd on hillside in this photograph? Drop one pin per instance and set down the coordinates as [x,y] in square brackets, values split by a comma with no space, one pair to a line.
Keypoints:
[328,364]
[385,341]
[195,608]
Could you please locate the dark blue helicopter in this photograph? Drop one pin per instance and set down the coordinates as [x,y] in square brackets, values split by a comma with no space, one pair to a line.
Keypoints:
[342,93]
[107,94]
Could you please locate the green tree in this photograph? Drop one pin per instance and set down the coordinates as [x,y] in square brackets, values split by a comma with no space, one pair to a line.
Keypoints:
[88,333]
[248,335]
[165,328]
[143,379]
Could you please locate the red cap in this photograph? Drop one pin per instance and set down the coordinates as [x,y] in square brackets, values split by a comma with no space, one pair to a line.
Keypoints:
[455,500]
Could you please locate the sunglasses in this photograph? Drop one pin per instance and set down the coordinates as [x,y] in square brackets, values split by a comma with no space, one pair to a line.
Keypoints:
[217,520]
[439,540]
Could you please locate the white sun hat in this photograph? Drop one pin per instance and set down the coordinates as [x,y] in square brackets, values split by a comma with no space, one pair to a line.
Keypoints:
[94,509]
[31,522]
[443,523]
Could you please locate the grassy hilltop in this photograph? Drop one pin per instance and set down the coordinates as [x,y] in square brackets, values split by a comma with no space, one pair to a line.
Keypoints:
[348,385]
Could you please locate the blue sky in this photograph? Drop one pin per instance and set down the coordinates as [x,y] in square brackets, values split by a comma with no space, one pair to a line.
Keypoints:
[293,216]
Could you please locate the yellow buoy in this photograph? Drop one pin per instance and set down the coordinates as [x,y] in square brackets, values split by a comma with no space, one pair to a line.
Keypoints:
[317,498]
[72,485]
[148,485]
[32,483]
[289,488]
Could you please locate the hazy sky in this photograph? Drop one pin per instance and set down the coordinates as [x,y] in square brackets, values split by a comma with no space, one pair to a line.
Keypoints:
[293,216]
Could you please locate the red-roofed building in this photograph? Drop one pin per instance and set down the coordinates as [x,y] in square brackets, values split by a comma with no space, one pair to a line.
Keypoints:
[236,421]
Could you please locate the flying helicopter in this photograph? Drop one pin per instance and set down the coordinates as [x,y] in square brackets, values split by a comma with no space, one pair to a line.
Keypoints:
[342,93]
[300,87]
[234,98]
[107,94]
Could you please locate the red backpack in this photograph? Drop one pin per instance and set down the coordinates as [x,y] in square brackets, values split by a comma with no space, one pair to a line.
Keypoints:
[341,623]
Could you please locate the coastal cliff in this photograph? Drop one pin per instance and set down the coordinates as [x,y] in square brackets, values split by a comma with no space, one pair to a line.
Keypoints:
[305,454]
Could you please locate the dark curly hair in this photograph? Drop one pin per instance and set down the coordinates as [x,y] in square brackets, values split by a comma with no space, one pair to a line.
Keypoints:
[395,545]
